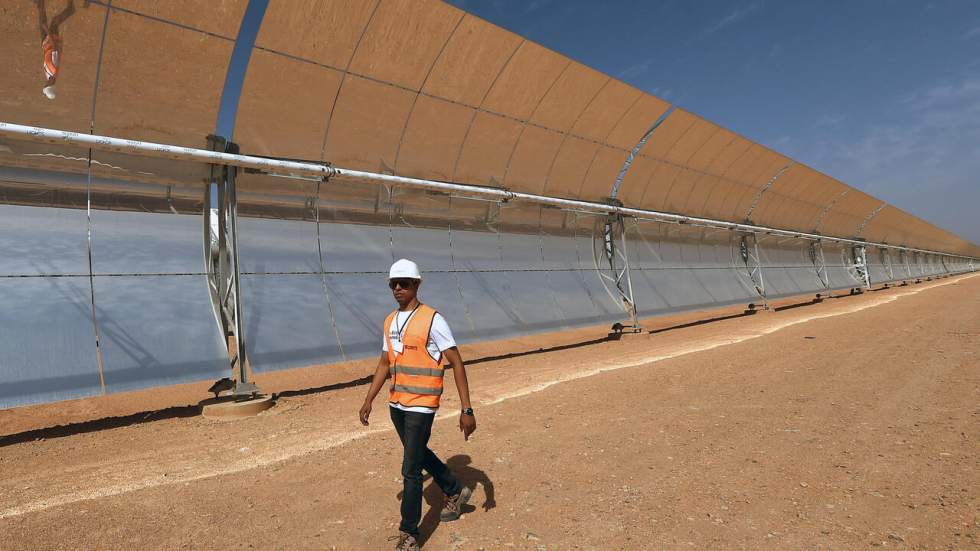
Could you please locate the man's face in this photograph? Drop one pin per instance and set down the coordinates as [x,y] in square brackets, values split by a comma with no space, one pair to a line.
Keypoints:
[403,289]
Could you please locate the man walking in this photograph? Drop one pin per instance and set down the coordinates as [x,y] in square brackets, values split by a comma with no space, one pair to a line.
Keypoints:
[416,340]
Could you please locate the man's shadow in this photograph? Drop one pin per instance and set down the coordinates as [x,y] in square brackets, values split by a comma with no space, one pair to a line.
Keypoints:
[468,476]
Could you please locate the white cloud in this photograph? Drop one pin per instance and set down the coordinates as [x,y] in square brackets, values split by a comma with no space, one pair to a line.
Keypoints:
[926,164]
[635,70]
[734,17]
[829,119]
[974,32]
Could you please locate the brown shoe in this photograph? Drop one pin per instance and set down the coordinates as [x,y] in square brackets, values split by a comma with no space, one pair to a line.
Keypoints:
[406,542]
[454,505]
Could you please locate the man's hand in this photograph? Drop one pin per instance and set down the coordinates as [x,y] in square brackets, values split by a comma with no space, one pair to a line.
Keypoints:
[467,424]
[365,413]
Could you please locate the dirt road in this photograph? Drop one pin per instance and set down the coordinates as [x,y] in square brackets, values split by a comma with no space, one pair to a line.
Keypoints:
[847,424]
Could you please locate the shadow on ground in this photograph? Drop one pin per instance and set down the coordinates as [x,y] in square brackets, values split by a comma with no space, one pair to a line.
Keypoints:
[174,412]
[469,476]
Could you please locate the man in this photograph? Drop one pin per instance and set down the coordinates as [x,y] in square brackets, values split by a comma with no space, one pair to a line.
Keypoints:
[51,43]
[416,340]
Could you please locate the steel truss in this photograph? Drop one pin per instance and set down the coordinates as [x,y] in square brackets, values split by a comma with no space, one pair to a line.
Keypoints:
[816,257]
[856,260]
[221,266]
[748,263]
[319,170]
[612,264]
[886,260]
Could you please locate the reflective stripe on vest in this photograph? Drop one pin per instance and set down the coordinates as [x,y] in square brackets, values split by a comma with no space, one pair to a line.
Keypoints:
[418,390]
[51,47]
[425,371]
[417,377]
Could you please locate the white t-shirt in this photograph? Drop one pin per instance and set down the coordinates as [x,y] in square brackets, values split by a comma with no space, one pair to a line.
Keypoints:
[440,340]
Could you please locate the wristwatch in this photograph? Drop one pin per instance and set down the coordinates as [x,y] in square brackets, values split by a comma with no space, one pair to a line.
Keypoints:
[467,411]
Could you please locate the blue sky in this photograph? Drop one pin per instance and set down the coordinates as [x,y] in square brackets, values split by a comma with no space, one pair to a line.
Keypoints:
[881,94]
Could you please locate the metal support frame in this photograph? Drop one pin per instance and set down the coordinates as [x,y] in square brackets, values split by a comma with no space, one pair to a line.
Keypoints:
[858,266]
[886,261]
[319,170]
[612,263]
[816,257]
[904,257]
[748,263]
[222,269]
[765,188]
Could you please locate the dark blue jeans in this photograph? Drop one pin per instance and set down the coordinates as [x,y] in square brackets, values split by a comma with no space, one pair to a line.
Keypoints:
[414,430]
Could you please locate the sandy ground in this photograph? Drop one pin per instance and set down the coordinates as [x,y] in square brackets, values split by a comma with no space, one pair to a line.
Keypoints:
[842,425]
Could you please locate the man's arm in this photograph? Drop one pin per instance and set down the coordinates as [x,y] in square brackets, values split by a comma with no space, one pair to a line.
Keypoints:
[380,374]
[467,423]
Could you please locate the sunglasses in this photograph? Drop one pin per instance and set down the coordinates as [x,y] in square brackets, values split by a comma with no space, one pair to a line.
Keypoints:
[403,282]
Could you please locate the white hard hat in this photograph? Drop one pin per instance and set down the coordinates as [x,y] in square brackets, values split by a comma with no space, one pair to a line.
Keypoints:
[49,91]
[404,268]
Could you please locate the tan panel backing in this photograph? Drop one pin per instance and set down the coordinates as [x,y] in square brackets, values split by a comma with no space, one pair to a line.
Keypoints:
[532,159]
[779,205]
[712,184]
[602,173]
[827,191]
[887,226]
[324,31]
[567,99]
[655,195]
[473,58]
[806,197]
[719,189]
[221,17]
[637,121]
[606,110]
[636,179]
[284,106]
[403,40]
[154,94]
[486,149]
[23,76]
[434,134]
[774,163]
[367,124]
[680,190]
[524,81]
[667,134]
[570,167]
[849,213]
[711,149]
[691,141]
[724,199]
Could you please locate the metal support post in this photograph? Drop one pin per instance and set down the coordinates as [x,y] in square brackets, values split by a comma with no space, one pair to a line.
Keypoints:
[748,263]
[862,260]
[222,268]
[857,266]
[886,261]
[815,254]
[612,263]
[904,257]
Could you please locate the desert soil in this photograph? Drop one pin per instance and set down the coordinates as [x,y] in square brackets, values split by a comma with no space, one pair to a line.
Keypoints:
[848,424]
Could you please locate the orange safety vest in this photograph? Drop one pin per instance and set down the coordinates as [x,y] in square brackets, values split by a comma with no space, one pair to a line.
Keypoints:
[52,53]
[416,377]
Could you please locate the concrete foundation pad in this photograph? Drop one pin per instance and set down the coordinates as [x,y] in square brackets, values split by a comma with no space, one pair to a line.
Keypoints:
[226,407]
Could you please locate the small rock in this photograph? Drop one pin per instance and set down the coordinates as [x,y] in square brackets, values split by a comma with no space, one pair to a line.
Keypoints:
[804,485]
[531,536]
[896,537]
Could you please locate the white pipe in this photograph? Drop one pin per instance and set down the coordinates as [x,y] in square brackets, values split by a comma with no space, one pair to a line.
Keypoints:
[151,149]
[178,153]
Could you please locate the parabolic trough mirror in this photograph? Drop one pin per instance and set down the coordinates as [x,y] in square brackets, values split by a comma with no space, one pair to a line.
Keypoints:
[417,131]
